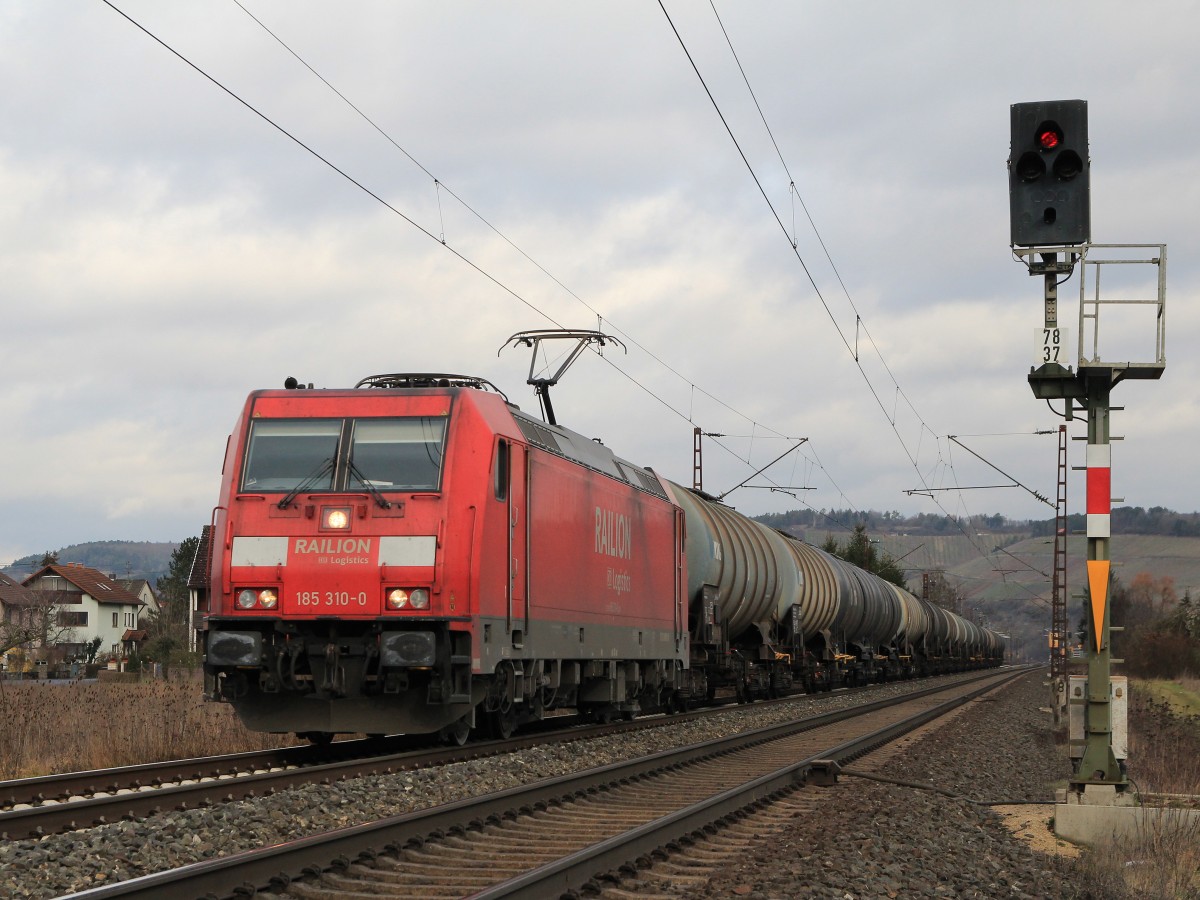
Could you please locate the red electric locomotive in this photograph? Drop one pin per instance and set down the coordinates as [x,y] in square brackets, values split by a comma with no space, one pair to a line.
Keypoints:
[408,554]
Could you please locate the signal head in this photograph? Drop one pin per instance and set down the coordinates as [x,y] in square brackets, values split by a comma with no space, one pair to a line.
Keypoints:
[1048,190]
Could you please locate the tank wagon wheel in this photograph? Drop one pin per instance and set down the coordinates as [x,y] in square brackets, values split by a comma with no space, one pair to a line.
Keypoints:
[456,733]
[601,713]
[671,702]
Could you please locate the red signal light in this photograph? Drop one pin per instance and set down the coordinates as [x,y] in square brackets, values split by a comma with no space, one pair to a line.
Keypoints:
[1048,138]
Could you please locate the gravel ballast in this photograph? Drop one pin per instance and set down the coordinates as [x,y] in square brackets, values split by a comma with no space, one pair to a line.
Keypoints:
[882,840]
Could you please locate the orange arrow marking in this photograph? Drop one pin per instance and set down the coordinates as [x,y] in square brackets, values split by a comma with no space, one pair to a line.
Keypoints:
[1097,570]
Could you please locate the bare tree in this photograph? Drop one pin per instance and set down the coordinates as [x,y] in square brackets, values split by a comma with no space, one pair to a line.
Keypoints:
[35,622]
[15,631]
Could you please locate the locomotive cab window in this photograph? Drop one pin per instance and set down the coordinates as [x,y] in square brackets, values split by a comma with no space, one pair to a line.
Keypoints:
[283,454]
[397,454]
[393,454]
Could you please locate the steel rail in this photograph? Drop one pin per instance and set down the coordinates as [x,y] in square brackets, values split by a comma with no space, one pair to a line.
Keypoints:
[41,788]
[62,786]
[107,795]
[129,801]
[136,791]
[274,867]
[572,874]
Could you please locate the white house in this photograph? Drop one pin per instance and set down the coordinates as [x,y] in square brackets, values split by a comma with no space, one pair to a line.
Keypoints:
[90,605]
[143,590]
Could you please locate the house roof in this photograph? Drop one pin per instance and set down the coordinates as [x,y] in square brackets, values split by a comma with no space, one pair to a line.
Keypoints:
[198,576]
[135,585]
[91,581]
[132,634]
[13,593]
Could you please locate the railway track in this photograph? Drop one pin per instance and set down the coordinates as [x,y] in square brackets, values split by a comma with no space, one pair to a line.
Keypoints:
[34,807]
[555,836]
[56,803]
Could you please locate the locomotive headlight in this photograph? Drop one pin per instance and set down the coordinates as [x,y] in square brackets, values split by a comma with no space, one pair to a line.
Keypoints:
[248,598]
[335,518]
[408,598]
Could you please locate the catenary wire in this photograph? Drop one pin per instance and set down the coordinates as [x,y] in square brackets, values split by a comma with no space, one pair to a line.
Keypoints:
[442,186]
[461,256]
[858,318]
[441,238]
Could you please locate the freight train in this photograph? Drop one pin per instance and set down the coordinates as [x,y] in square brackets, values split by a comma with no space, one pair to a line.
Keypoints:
[417,554]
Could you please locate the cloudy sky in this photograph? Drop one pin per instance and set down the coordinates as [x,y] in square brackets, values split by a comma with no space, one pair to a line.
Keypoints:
[164,249]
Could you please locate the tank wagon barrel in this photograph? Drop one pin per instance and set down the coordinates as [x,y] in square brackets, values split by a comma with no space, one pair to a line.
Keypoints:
[769,592]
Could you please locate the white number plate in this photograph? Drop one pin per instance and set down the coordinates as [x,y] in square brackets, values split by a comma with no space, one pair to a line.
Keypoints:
[330,598]
[1053,346]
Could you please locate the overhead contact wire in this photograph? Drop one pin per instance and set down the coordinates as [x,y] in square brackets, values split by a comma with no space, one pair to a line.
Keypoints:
[808,273]
[442,186]
[350,178]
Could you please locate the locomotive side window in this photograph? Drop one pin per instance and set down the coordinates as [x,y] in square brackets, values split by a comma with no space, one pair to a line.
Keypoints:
[286,453]
[501,485]
[397,454]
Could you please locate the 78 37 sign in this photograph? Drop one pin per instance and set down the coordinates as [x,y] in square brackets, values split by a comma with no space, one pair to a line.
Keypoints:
[1053,346]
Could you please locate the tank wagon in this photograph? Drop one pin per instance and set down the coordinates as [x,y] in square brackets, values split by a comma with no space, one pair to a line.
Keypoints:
[416,554]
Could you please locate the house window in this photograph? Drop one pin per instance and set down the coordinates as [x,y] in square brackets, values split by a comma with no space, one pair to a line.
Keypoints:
[72,619]
[115,620]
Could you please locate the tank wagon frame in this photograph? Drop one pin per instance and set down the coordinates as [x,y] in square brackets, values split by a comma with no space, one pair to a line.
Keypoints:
[416,554]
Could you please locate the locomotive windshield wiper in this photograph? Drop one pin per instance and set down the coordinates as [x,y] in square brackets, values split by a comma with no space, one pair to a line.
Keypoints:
[383,502]
[308,482]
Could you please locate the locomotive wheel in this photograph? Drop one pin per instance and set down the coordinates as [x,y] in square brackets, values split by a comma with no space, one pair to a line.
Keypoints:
[456,733]
[502,723]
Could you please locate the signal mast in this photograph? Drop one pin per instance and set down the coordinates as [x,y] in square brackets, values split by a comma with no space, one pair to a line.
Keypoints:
[1050,219]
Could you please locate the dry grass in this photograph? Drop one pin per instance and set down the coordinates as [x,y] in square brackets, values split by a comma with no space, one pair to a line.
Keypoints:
[1181,694]
[1164,737]
[50,728]
[1162,859]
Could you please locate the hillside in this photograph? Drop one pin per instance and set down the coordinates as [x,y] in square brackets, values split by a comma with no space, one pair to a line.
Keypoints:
[1003,567]
[1006,577]
[124,559]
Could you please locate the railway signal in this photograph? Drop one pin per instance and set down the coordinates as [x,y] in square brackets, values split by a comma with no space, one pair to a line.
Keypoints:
[1050,234]
[1048,174]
